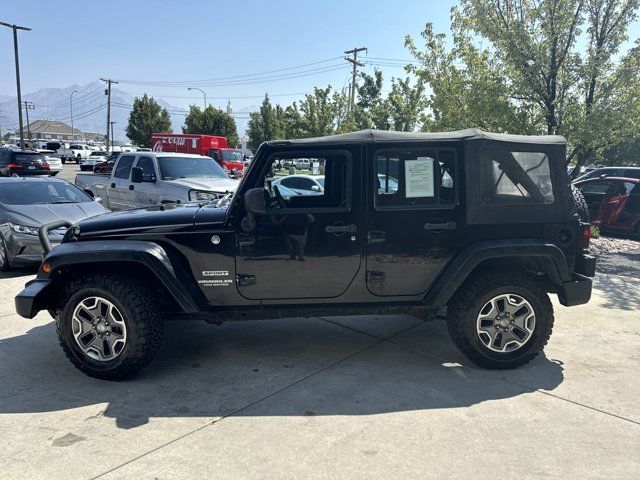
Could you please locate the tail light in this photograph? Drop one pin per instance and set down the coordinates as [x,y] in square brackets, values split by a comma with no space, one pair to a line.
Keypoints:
[586,235]
[14,165]
[45,165]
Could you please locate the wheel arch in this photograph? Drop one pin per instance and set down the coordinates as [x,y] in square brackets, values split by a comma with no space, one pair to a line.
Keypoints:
[536,256]
[145,260]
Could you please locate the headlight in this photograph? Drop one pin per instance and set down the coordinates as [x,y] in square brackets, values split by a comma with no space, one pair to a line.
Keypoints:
[24,229]
[195,195]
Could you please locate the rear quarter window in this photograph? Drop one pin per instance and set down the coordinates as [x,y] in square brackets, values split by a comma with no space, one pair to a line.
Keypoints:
[512,177]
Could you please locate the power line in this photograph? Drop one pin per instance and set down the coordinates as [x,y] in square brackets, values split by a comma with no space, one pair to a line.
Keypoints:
[217,79]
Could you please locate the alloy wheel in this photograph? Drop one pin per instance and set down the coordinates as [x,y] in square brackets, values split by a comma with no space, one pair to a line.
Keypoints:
[505,323]
[99,329]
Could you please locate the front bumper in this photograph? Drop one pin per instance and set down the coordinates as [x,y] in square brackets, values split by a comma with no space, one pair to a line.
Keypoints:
[28,302]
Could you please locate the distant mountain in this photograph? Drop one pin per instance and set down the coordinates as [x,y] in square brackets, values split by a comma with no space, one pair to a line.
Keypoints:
[89,108]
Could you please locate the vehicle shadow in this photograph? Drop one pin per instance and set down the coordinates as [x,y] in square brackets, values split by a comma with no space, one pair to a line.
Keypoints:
[261,368]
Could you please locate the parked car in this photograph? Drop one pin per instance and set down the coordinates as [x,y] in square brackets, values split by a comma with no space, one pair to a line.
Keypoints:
[22,163]
[302,184]
[624,172]
[54,161]
[141,179]
[28,203]
[80,151]
[105,168]
[613,203]
[61,150]
[473,228]
[92,160]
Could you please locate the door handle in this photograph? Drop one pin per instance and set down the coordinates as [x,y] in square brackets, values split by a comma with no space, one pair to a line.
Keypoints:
[441,226]
[113,185]
[341,228]
[131,187]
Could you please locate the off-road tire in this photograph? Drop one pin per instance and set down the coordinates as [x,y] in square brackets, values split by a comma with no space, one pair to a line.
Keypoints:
[465,306]
[581,204]
[142,318]
[4,257]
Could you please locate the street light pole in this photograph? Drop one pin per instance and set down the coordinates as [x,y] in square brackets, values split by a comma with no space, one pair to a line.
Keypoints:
[203,93]
[73,132]
[15,29]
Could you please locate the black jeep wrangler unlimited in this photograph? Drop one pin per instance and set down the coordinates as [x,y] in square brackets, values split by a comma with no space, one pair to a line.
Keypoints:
[478,226]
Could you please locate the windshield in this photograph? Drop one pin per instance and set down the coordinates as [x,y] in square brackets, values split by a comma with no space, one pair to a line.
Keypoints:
[172,168]
[99,154]
[41,193]
[232,155]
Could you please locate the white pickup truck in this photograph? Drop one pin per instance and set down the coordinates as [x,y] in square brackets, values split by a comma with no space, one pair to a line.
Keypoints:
[141,179]
[80,151]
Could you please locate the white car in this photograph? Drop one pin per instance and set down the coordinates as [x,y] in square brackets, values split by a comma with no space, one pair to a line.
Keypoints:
[92,160]
[53,159]
[80,151]
[302,184]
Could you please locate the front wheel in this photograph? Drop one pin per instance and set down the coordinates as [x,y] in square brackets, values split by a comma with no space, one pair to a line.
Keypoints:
[500,320]
[78,160]
[109,326]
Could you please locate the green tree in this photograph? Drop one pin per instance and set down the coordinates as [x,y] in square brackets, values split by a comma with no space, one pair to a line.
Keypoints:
[265,124]
[292,122]
[318,113]
[147,117]
[534,75]
[211,121]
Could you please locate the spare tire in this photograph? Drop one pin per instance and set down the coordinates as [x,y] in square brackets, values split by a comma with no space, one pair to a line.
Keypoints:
[581,204]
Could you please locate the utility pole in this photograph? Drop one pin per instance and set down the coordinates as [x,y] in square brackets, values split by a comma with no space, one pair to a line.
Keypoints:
[15,29]
[28,106]
[1,117]
[107,92]
[355,63]
[73,132]
[112,124]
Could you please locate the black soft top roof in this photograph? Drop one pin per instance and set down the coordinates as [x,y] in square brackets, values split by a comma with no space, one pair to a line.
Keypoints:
[384,136]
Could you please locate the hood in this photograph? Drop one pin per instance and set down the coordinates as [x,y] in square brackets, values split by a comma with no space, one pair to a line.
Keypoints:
[218,185]
[37,215]
[157,219]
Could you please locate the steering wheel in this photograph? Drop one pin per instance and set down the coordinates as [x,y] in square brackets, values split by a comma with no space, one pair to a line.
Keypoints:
[279,198]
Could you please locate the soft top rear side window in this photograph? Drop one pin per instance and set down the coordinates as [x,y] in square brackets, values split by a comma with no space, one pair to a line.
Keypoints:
[513,177]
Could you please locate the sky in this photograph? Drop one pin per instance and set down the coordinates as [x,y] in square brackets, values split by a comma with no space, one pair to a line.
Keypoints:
[149,42]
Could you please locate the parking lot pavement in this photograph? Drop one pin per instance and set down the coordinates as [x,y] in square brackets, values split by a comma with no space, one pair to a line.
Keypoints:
[342,397]
[69,172]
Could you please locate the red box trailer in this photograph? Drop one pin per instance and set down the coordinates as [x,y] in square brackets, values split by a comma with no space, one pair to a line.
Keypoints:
[206,145]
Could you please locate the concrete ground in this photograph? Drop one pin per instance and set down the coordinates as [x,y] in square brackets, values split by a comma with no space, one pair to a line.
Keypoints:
[356,397]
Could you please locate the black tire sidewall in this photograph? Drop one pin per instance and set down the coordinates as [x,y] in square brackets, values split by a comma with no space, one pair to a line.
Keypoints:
[5,265]
[66,331]
[532,346]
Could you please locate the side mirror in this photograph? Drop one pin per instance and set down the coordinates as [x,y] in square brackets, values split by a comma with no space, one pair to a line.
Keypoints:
[254,201]
[136,175]
[97,199]
[315,188]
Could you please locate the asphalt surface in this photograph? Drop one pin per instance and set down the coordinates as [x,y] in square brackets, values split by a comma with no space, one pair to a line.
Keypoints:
[342,397]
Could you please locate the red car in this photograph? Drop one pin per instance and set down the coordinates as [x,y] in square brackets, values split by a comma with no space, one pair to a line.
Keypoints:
[614,203]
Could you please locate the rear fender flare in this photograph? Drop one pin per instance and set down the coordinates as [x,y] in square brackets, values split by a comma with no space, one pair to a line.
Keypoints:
[467,261]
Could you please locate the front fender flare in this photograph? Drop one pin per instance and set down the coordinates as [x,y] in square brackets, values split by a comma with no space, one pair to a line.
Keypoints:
[151,255]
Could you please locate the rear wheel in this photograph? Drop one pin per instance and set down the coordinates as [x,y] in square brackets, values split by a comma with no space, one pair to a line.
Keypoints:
[109,326]
[500,320]
[78,160]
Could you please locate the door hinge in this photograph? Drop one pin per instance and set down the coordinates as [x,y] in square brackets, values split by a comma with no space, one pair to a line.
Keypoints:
[373,276]
[245,280]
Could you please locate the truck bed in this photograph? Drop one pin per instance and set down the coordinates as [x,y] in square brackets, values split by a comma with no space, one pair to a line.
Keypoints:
[95,184]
